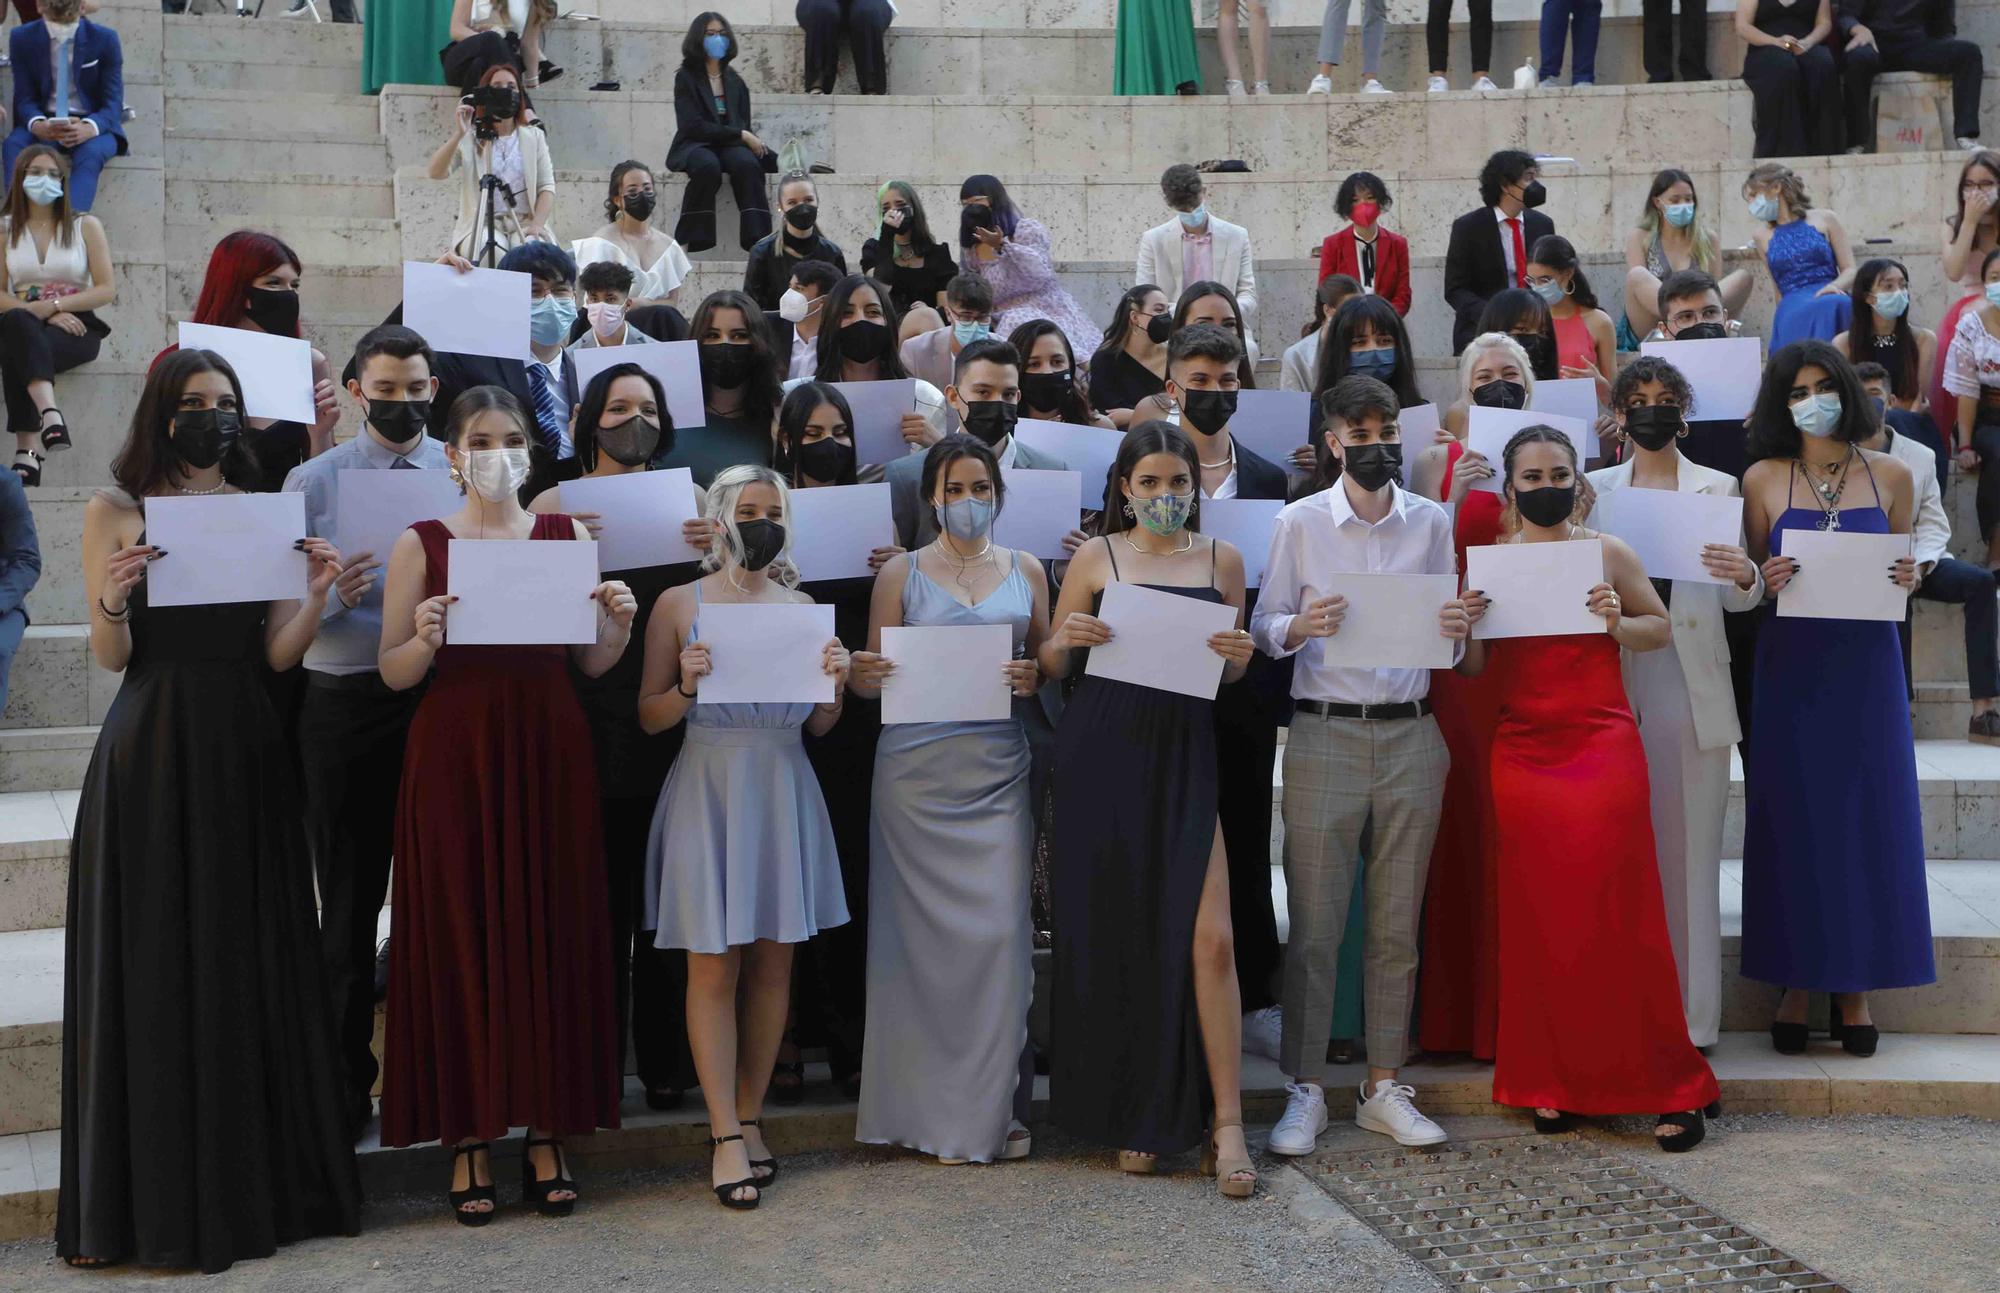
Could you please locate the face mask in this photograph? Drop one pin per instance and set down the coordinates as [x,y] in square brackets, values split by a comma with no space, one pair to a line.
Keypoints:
[1158,328]
[1817,415]
[1654,426]
[1372,465]
[1535,344]
[977,216]
[989,421]
[1501,395]
[1365,212]
[1533,194]
[1548,506]
[762,542]
[631,443]
[1208,411]
[863,340]
[495,474]
[1164,513]
[399,421]
[42,190]
[1891,305]
[550,320]
[826,460]
[1551,292]
[1047,391]
[966,519]
[606,317]
[1993,294]
[1680,214]
[1196,218]
[1703,332]
[966,333]
[639,206]
[726,364]
[802,216]
[715,45]
[275,310]
[795,306]
[1372,363]
[202,436]
[1764,207]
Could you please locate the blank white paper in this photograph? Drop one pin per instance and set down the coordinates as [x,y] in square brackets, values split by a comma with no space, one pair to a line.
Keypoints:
[226,548]
[951,673]
[1041,507]
[676,363]
[1160,640]
[765,653]
[521,592]
[1569,397]
[1271,423]
[835,528]
[878,409]
[1391,621]
[1538,589]
[469,312]
[1724,372]
[276,372]
[1668,529]
[1090,451]
[1245,524]
[641,513]
[375,507]
[1844,576]
[1487,432]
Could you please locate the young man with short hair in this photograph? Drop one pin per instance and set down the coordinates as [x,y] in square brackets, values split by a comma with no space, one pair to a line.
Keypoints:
[1489,246]
[968,317]
[606,287]
[1196,246]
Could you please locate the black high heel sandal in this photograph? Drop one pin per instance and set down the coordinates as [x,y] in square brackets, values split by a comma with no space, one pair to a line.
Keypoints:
[664,1098]
[1550,1126]
[55,438]
[537,1191]
[725,1193]
[1789,1039]
[28,466]
[757,1163]
[474,1191]
[1859,1040]
[1693,1125]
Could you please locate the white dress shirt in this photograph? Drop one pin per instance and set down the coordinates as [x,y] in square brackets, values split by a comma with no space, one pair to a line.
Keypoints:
[1507,240]
[1320,534]
[805,356]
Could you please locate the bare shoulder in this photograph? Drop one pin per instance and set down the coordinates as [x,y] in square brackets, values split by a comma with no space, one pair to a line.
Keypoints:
[1228,560]
[1766,471]
[1031,570]
[546,502]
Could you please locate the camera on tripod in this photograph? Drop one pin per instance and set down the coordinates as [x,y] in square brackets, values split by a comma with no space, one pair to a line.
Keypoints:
[489,103]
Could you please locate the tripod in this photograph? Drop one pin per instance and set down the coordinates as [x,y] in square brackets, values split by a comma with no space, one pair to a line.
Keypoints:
[491,251]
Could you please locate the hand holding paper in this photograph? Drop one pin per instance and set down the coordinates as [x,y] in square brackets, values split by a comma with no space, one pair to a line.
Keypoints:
[1161,640]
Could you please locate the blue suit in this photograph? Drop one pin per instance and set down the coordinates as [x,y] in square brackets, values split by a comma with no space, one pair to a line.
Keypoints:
[96,93]
[20,567]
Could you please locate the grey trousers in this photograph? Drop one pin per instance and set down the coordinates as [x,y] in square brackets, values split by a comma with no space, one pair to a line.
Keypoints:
[1333,32]
[1350,780]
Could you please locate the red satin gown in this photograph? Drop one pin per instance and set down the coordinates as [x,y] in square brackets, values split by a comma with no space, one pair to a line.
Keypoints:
[1458,999]
[1590,1001]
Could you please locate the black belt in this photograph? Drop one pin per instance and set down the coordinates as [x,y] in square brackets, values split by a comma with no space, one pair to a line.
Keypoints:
[370,681]
[1331,709]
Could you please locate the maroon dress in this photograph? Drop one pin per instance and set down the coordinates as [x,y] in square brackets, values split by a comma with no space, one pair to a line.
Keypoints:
[500,996]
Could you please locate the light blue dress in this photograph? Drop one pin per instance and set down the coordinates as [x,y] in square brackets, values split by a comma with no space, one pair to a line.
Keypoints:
[945,1062]
[1801,262]
[741,848]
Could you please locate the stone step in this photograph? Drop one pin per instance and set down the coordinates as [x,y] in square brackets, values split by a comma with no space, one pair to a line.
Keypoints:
[295,55]
[251,149]
[224,197]
[318,239]
[44,758]
[54,682]
[300,114]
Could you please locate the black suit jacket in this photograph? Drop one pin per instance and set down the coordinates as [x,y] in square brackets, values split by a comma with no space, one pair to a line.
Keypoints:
[696,123]
[1263,695]
[1475,266]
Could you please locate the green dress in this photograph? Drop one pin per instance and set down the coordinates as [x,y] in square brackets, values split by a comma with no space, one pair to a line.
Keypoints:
[1155,53]
[400,43]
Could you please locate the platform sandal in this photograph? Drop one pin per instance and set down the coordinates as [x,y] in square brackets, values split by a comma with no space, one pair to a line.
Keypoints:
[725,1194]
[1224,1170]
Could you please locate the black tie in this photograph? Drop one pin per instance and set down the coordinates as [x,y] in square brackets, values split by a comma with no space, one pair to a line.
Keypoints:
[1368,263]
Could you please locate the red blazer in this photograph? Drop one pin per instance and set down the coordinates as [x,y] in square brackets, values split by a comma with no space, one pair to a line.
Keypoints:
[1338,255]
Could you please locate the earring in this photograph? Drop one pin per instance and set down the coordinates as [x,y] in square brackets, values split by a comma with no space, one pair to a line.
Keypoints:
[1129,515]
[1682,434]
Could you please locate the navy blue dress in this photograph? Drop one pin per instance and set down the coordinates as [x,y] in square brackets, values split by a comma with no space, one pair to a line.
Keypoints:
[1834,896]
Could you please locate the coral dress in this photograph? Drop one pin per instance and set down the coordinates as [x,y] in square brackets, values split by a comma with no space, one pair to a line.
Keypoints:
[1590,1001]
[501,1007]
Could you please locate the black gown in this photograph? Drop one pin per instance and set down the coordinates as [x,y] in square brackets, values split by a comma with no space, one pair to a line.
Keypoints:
[1135,796]
[203,1116]
[1795,98]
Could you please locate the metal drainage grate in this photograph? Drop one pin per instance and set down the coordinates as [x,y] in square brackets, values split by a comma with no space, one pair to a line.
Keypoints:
[1540,1213]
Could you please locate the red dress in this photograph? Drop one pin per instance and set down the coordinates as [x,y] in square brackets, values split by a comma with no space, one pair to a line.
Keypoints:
[1590,1002]
[1458,1004]
[500,995]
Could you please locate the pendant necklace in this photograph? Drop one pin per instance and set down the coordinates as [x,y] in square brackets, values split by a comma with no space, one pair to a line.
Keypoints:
[1827,494]
[963,563]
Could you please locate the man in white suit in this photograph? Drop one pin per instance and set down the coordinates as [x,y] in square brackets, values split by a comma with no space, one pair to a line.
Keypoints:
[1196,246]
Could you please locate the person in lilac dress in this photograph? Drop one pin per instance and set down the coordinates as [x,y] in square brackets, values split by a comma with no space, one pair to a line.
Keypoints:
[1011,252]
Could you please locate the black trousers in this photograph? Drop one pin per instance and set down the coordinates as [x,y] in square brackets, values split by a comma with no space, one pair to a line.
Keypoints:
[1656,40]
[1972,587]
[1986,443]
[1437,34]
[1246,748]
[1898,52]
[650,983]
[705,168]
[865,22]
[35,350]
[351,747]
[465,61]
[1795,101]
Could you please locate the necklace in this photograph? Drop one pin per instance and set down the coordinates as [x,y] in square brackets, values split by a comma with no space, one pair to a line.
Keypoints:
[1884,340]
[200,493]
[1230,461]
[1825,495]
[964,564]
[1148,552]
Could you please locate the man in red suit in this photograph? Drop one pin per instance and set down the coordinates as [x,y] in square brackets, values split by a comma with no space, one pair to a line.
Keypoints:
[1365,251]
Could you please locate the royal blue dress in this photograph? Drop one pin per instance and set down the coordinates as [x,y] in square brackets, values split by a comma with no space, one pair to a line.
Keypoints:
[1834,897]
[1801,263]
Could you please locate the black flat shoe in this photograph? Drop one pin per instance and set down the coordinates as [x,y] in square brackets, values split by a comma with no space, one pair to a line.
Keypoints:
[1550,1126]
[55,435]
[549,72]
[664,1098]
[537,1191]
[1693,1130]
[760,1164]
[1789,1039]
[788,1083]
[725,1193]
[474,1192]
[28,466]
[1859,1040]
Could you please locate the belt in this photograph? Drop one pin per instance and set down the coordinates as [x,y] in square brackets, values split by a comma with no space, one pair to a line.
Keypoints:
[370,681]
[1400,709]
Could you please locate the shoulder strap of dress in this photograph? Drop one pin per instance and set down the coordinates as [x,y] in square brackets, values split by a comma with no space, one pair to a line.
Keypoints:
[1871,479]
[1211,563]
[1790,478]
[1111,550]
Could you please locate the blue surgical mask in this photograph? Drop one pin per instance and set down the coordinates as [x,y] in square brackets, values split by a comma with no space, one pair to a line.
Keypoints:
[1163,514]
[967,518]
[42,190]
[1551,292]
[715,45]
[1891,305]
[1372,363]
[1196,218]
[550,319]
[1764,207]
[1993,295]
[1680,214]
[966,333]
[1817,415]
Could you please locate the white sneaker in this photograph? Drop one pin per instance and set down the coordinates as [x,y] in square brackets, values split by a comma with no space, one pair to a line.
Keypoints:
[1298,1131]
[1439,85]
[1373,86]
[1391,1112]
[1320,85]
[1234,89]
[1262,1031]
[1262,89]
[1968,144]
[1485,83]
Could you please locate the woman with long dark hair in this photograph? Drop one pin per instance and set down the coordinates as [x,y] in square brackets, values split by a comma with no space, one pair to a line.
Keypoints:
[1206,302]
[712,137]
[1970,232]
[1132,361]
[905,255]
[1526,317]
[1586,339]
[739,389]
[1012,253]
[193,989]
[1367,336]
[1053,388]
[1881,333]
[857,343]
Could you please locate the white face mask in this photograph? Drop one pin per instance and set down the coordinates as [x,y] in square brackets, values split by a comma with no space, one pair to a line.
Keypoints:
[606,317]
[495,474]
[795,306]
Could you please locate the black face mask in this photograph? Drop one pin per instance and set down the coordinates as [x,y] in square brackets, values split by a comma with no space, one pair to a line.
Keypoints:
[1533,194]
[989,421]
[1703,332]
[202,436]
[274,310]
[727,364]
[399,421]
[1047,391]
[1500,395]
[1158,328]
[826,460]
[803,216]
[1208,411]
[863,340]
[639,206]
[1372,465]
[631,443]
[762,542]
[1548,506]
[1654,426]
[1535,346]
[978,216]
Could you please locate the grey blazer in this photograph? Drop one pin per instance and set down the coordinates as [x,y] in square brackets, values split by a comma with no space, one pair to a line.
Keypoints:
[916,522]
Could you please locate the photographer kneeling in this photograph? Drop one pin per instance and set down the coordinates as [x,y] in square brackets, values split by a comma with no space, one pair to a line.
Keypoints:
[493,137]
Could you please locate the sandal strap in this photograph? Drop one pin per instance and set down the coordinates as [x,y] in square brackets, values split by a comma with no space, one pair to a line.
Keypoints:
[748,1122]
[724,1140]
[1221,1123]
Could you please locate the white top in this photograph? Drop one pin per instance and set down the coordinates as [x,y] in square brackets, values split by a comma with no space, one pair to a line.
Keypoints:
[1974,358]
[507,164]
[652,282]
[805,356]
[1321,533]
[503,15]
[67,267]
[1930,531]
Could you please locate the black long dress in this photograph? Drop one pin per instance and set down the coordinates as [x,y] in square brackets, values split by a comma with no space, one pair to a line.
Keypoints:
[1795,98]
[202,1106]
[1135,800]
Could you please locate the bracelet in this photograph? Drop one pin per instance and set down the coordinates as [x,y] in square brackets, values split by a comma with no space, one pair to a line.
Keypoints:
[688,695]
[104,613]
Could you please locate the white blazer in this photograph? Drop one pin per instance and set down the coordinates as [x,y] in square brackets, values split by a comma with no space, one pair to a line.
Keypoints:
[1230,254]
[1696,614]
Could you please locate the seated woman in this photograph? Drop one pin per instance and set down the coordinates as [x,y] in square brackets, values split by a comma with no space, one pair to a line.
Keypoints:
[1053,389]
[58,272]
[1371,255]
[1131,362]
[712,137]
[1670,237]
[1882,334]
[1793,77]
[797,239]
[1805,248]
[517,152]
[1586,340]
[1301,358]
[658,264]
[1011,252]
[489,33]
[865,23]
[903,254]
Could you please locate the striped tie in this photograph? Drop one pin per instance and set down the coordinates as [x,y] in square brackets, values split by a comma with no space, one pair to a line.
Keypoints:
[546,417]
